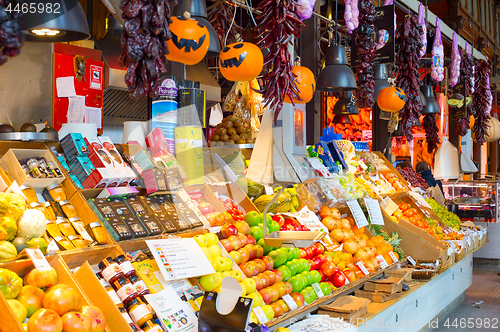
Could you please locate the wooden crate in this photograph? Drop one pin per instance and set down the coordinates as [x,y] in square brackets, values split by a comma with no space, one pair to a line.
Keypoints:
[209,196]
[403,273]
[10,162]
[64,276]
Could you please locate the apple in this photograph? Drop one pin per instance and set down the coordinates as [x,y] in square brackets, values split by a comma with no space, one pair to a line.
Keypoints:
[264,279]
[249,284]
[279,219]
[236,257]
[303,253]
[201,240]
[298,298]
[243,289]
[285,272]
[338,279]
[258,282]
[323,277]
[237,275]
[210,282]
[305,265]
[215,250]
[316,276]
[207,252]
[260,250]
[220,264]
[281,287]
[235,242]
[228,264]
[309,294]
[261,264]
[249,269]
[268,311]
[256,232]
[289,288]
[308,277]
[253,218]
[242,227]
[227,245]
[243,238]
[279,276]
[268,261]
[267,249]
[245,256]
[211,239]
[278,310]
[251,239]
[285,309]
[227,274]
[228,230]
[267,295]
[205,207]
[271,275]
[351,276]
[252,251]
[312,264]
[325,288]
[292,267]
[275,293]
[256,297]
[297,283]
[318,262]
[329,269]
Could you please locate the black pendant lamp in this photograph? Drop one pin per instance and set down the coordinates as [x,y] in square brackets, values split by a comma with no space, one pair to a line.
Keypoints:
[432,105]
[65,22]
[198,11]
[381,79]
[336,76]
[345,106]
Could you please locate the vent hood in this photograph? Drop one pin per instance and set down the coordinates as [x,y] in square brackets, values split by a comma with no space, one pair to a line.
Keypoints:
[117,102]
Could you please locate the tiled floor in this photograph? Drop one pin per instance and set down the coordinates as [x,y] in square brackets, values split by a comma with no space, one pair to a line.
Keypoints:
[485,287]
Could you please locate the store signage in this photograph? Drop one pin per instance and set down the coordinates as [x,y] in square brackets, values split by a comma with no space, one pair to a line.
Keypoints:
[38,259]
[374,211]
[95,77]
[412,261]
[357,213]
[318,290]
[384,37]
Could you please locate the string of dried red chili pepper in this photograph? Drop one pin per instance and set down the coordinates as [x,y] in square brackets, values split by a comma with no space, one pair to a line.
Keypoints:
[11,30]
[408,37]
[221,15]
[277,24]
[431,132]
[466,76]
[366,53]
[481,100]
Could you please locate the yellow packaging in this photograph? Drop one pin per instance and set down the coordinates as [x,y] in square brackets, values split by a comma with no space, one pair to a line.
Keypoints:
[147,270]
[189,153]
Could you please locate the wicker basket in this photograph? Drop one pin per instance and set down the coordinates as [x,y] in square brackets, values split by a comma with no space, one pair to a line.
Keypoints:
[347,149]
[460,255]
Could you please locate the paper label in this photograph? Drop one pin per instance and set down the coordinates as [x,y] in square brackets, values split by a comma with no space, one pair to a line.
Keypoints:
[389,206]
[261,316]
[82,231]
[357,213]
[52,247]
[469,242]
[362,268]
[38,259]
[308,218]
[374,211]
[195,143]
[289,302]
[383,263]
[394,258]
[318,290]
[269,190]
[412,261]
[419,199]
[450,251]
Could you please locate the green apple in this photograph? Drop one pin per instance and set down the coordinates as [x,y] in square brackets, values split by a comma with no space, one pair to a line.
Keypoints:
[220,264]
[289,254]
[215,250]
[256,232]
[253,218]
[285,272]
[237,275]
[309,278]
[325,288]
[207,252]
[228,266]
[250,285]
[267,249]
[211,239]
[316,276]
[201,240]
[273,226]
[297,283]
[296,253]
[255,296]
[210,282]
[227,274]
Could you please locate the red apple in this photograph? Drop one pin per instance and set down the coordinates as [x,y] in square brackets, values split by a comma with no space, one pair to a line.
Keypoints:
[244,255]
[320,248]
[289,288]
[288,228]
[269,262]
[243,239]
[264,279]
[227,245]
[235,242]
[242,227]
[249,269]
[278,310]
[260,250]
[258,283]
[275,292]
[323,277]
[279,276]
[205,208]
[338,279]
[267,295]
[332,286]
[236,256]
[349,275]
[251,239]
[279,219]
[303,253]
[261,264]
[252,251]
[281,287]
[329,269]
[228,230]
[272,276]
[312,263]
[298,298]
[318,261]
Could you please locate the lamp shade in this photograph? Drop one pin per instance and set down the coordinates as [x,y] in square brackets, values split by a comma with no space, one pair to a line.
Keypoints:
[432,106]
[380,77]
[50,28]
[214,47]
[346,105]
[422,99]
[336,76]
[342,118]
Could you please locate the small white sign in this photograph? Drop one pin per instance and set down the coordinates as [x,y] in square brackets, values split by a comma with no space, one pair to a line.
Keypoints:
[374,211]
[412,261]
[383,263]
[394,258]
[38,259]
[290,302]
[318,290]
[357,213]
[362,268]
[419,199]
[261,316]
[269,190]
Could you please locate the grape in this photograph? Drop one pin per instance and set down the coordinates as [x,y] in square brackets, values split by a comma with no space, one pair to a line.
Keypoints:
[447,217]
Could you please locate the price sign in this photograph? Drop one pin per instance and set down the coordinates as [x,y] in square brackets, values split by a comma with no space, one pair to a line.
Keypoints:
[362,268]
[357,213]
[269,190]
[469,242]
[289,302]
[383,263]
[318,290]
[412,261]
[374,211]
[261,316]
[450,251]
[394,258]
[38,259]
[420,200]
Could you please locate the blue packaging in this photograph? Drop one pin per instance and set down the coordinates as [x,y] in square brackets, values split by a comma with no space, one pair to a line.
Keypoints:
[326,157]
[74,145]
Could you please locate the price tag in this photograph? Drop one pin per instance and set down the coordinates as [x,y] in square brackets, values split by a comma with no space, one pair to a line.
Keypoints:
[389,206]
[383,263]
[318,290]
[38,259]
[446,230]
[394,258]
[82,231]
[269,190]
[347,281]
[450,251]
[452,244]
[419,199]
[52,248]
[412,261]
[362,268]
[374,211]
[261,316]
[290,302]
[357,213]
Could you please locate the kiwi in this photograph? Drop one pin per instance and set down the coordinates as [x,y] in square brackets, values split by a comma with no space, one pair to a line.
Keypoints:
[238,123]
[244,135]
[232,118]
[224,138]
[215,138]
[227,124]
[6,128]
[48,130]
[221,131]
[250,140]
[235,137]
[28,128]
[231,131]
[241,141]
[230,142]
[240,130]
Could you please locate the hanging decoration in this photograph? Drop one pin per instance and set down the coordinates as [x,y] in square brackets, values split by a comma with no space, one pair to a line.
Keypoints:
[351,15]
[189,42]
[467,77]
[437,65]
[423,24]
[305,8]
[455,61]
[278,24]
[408,36]
[431,132]
[467,50]
[221,14]
[481,100]
[11,31]
[391,99]
[241,61]
[144,42]
[366,53]
[305,83]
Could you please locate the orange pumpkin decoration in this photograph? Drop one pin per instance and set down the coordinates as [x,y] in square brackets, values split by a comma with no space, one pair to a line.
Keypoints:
[391,99]
[305,83]
[241,61]
[189,42]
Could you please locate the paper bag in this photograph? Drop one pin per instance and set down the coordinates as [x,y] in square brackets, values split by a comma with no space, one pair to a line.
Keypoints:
[216,115]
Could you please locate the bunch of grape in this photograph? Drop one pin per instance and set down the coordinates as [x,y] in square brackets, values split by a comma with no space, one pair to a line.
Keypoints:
[448,218]
[414,178]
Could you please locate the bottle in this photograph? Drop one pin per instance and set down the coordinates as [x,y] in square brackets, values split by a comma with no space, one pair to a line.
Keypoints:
[68,209]
[110,270]
[57,192]
[125,265]
[129,320]
[151,326]
[111,292]
[98,232]
[33,168]
[54,169]
[29,193]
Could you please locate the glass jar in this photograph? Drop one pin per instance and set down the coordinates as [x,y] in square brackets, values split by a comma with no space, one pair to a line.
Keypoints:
[64,243]
[151,326]
[68,209]
[57,192]
[139,312]
[50,211]
[54,169]
[42,165]
[65,227]
[126,266]
[77,241]
[33,168]
[52,229]
[129,320]
[41,208]
[29,193]
[111,292]
[140,286]
[125,290]
[97,231]
[110,270]
[26,171]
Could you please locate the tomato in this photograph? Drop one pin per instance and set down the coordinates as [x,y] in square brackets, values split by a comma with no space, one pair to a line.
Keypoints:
[404,206]
[45,320]
[41,279]
[410,212]
[62,298]
[76,322]
[10,284]
[97,317]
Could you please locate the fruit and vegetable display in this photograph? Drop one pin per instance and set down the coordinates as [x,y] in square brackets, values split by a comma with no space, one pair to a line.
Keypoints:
[232,130]
[413,178]
[447,217]
[413,216]
[41,304]
[286,201]
[11,31]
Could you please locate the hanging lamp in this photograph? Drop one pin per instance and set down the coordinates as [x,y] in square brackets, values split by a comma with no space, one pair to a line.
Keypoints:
[344,107]
[380,78]
[70,24]
[432,105]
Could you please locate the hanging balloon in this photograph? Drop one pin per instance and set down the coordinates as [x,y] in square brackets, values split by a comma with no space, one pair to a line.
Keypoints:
[189,42]
[391,99]
[305,83]
[241,61]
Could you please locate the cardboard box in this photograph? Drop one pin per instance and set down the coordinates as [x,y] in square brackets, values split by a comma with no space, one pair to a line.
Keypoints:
[114,224]
[154,180]
[389,285]
[121,209]
[74,145]
[82,167]
[376,296]
[152,205]
[100,178]
[349,308]
[147,219]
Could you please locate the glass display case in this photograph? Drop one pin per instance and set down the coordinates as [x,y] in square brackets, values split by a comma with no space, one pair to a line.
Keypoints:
[473,200]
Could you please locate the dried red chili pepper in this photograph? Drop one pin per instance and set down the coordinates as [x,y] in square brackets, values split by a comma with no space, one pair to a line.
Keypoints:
[481,100]
[366,53]
[466,77]
[11,30]
[431,132]
[220,15]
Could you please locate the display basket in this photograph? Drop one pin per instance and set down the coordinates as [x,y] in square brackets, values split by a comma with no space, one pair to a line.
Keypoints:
[347,148]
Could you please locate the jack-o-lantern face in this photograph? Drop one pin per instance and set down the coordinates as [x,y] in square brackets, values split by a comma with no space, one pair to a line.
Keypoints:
[189,42]
[391,99]
[241,61]
[305,83]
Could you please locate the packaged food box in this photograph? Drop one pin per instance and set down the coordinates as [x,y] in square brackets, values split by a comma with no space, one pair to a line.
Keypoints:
[82,167]
[114,224]
[148,219]
[153,206]
[74,145]
[121,209]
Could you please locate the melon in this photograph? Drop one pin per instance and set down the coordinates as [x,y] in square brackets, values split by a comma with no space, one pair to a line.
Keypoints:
[31,224]
[8,228]
[8,251]
[12,205]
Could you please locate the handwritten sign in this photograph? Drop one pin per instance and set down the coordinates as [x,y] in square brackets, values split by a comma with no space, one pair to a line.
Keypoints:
[374,211]
[357,213]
